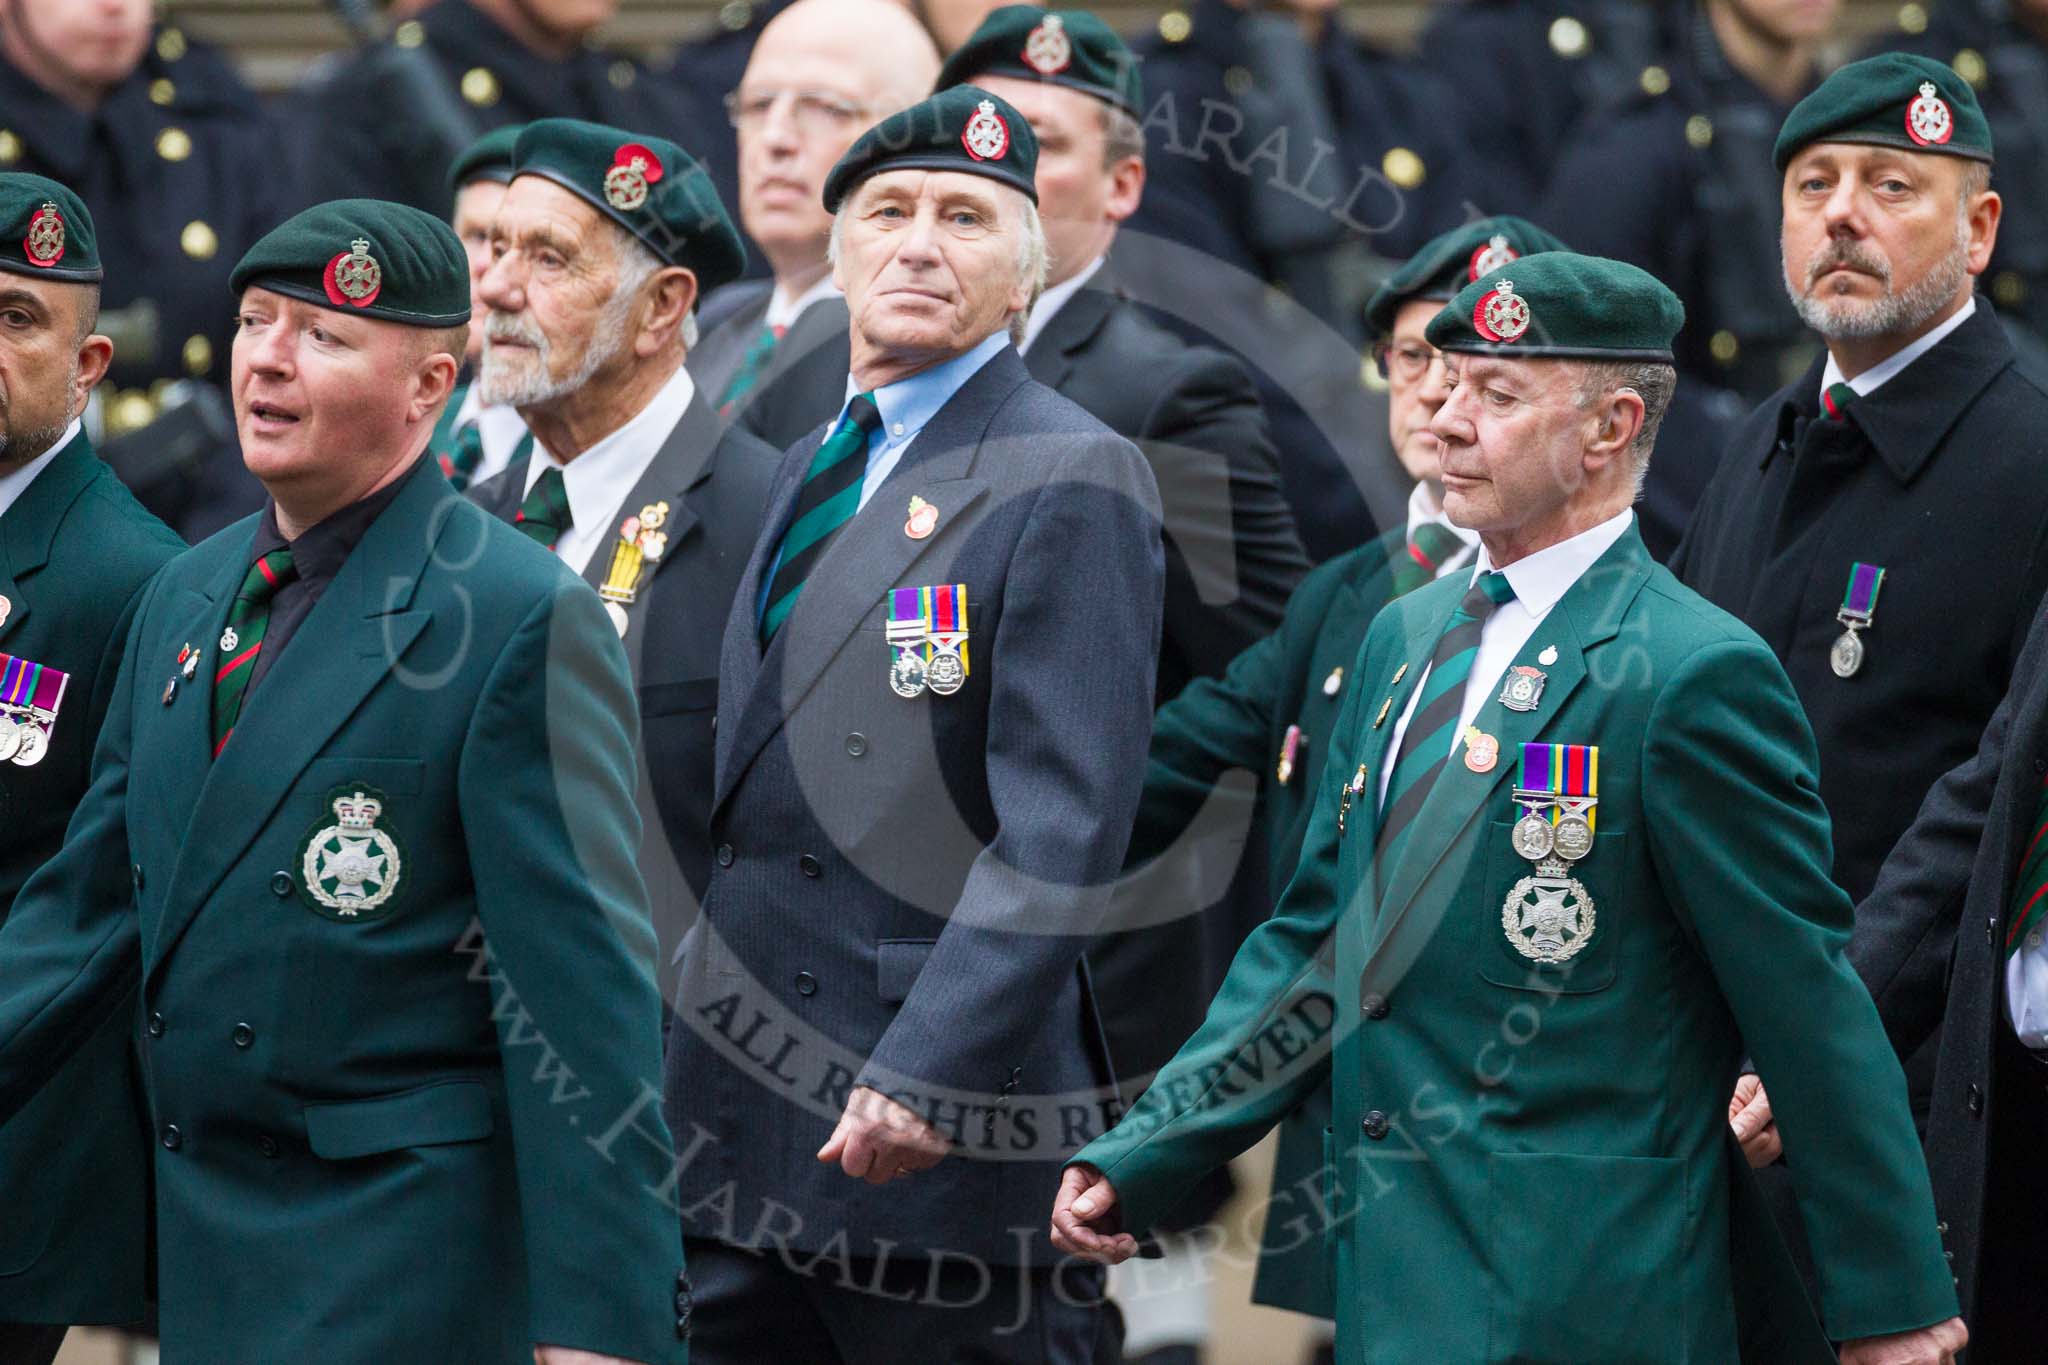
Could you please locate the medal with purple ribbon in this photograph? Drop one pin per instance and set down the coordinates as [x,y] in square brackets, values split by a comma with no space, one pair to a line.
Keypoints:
[1548,917]
[909,635]
[1859,606]
[30,695]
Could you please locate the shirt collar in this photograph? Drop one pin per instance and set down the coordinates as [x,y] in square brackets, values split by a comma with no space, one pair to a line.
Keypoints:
[1541,579]
[598,480]
[1425,509]
[1873,378]
[908,404]
[784,310]
[12,486]
[321,550]
[1052,300]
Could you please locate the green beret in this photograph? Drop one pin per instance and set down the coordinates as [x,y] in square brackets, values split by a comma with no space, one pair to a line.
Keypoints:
[647,185]
[487,158]
[45,231]
[1562,304]
[367,256]
[1449,262]
[1893,100]
[1069,47]
[961,129]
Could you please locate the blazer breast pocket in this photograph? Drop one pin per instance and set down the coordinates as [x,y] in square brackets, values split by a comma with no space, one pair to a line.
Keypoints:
[1552,933]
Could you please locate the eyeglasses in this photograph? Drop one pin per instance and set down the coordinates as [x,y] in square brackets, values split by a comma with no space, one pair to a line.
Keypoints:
[814,111]
[1407,362]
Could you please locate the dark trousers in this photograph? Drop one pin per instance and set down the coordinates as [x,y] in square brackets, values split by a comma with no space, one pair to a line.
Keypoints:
[2010,1326]
[29,1343]
[791,1308]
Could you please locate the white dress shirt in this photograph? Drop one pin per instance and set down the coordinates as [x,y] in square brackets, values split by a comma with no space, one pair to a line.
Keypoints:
[1424,508]
[1539,581]
[500,426]
[1052,300]
[599,479]
[12,486]
[783,310]
[1874,377]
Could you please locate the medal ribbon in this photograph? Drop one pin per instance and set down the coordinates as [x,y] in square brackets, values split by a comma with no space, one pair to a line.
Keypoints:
[909,618]
[622,580]
[1562,770]
[31,685]
[1859,599]
[949,616]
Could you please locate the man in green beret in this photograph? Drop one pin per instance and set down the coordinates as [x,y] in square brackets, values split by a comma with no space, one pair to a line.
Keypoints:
[75,549]
[1566,864]
[1856,511]
[1269,715]
[472,441]
[602,245]
[929,749]
[361,826]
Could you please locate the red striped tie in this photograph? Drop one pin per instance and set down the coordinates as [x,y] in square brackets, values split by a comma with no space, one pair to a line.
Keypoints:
[242,641]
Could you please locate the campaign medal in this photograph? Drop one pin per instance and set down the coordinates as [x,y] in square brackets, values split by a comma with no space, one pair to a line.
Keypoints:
[1859,605]
[946,664]
[30,696]
[1928,120]
[1548,917]
[641,542]
[1488,257]
[1048,50]
[353,279]
[44,245]
[986,137]
[1501,315]
[1290,752]
[908,632]
[633,169]
[350,870]
[924,519]
[1350,791]
[1482,750]
[1335,682]
[1523,688]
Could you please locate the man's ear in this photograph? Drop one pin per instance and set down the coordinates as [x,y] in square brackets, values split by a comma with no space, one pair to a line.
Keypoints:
[1618,420]
[95,354]
[671,294]
[435,380]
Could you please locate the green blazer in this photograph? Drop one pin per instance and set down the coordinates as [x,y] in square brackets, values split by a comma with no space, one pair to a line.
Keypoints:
[75,550]
[1238,722]
[416,1128]
[1532,1162]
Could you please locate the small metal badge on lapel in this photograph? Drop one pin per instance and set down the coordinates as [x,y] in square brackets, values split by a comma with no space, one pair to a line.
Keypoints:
[1335,682]
[1350,791]
[188,662]
[1482,750]
[924,519]
[6,608]
[1548,656]
[229,641]
[1523,689]
[641,542]
[1290,753]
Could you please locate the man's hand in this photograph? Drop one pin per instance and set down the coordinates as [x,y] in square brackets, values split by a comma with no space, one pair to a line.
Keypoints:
[878,1139]
[1749,1114]
[1086,1221]
[1936,1345]
[564,1355]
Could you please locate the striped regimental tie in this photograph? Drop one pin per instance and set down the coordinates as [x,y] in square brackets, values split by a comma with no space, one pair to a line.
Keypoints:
[242,641]
[827,501]
[544,516]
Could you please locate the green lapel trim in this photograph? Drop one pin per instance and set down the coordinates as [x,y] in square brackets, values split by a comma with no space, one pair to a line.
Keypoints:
[29,529]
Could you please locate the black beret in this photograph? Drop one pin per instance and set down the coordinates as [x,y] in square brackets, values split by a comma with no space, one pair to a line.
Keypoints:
[1893,100]
[368,256]
[1559,303]
[45,231]
[1452,260]
[961,129]
[1069,47]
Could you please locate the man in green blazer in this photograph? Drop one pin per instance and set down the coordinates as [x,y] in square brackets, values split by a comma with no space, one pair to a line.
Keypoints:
[75,548]
[1270,713]
[361,825]
[1567,863]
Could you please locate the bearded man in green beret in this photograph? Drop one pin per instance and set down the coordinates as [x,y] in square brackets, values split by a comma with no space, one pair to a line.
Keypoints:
[1567,862]
[361,826]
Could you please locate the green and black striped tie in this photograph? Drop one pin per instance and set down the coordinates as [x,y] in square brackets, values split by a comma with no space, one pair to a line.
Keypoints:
[545,515]
[749,372]
[1426,743]
[248,619]
[1430,546]
[829,498]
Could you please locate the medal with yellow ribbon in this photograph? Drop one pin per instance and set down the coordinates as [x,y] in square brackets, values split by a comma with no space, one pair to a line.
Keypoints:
[641,542]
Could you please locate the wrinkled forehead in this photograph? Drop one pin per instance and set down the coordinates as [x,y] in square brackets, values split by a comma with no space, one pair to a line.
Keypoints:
[1000,204]
[534,203]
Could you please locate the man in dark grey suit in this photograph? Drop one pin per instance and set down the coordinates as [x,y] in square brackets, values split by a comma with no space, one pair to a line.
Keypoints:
[632,481]
[1951,938]
[774,351]
[933,709]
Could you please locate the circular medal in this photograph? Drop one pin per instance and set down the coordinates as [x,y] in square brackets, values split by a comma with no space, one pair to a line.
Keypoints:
[947,674]
[1847,655]
[907,674]
[1532,837]
[1548,919]
[10,738]
[35,742]
[618,615]
[1574,837]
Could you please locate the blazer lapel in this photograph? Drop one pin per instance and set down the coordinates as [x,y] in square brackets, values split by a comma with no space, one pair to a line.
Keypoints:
[739,658]
[360,629]
[683,462]
[1052,356]
[30,527]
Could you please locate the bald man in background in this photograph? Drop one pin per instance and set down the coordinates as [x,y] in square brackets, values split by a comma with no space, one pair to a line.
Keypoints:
[773,351]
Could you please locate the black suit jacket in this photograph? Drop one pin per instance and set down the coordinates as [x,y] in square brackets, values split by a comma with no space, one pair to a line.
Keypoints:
[1929,943]
[715,481]
[903,888]
[804,382]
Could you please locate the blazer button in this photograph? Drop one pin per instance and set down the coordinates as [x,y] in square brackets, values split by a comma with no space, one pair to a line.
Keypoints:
[1941,1229]
[243,1035]
[172,1138]
[810,865]
[280,884]
[156,1025]
[1976,1101]
[806,984]
[856,744]
[1374,1124]
[1375,1007]
[268,1145]
[725,855]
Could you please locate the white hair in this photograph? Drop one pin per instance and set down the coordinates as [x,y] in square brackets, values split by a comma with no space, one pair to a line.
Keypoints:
[1034,255]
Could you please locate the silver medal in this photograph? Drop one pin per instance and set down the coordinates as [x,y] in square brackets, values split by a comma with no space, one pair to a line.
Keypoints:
[1533,838]
[10,738]
[35,742]
[1847,655]
[907,674]
[946,674]
[1574,837]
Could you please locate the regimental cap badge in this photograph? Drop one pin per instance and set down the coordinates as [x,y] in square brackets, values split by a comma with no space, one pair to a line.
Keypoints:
[634,169]
[1929,121]
[1490,256]
[44,244]
[354,278]
[350,870]
[987,137]
[1501,315]
[1048,50]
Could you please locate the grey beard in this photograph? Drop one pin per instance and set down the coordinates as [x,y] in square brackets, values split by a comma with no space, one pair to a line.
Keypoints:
[18,451]
[1904,311]
[535,387]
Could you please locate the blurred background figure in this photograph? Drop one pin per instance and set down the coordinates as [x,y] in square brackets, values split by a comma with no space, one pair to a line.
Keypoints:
[158,134]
